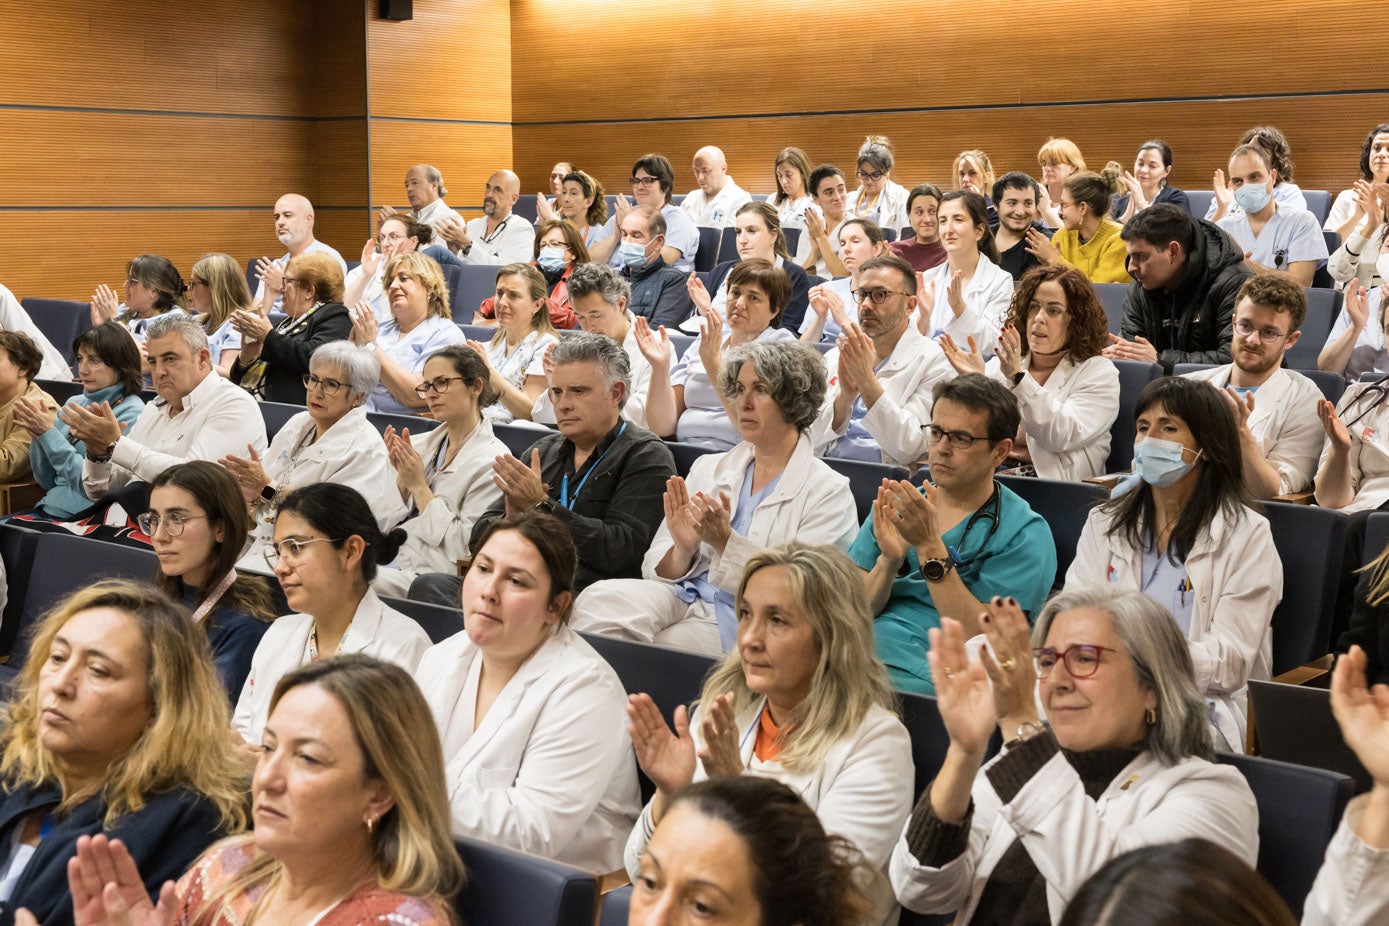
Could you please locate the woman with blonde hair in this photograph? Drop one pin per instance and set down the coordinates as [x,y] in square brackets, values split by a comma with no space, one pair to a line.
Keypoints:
[118,726]
[559,248]
[974,171]
[516,354]
[399,233]
[420,324]
[1058,158]
[216,289]
[350,813]
[802,699]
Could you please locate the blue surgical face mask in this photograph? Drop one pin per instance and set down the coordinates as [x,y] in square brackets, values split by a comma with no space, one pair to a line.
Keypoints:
[632,254]
[551,258]
[1252,197]
[1159,462]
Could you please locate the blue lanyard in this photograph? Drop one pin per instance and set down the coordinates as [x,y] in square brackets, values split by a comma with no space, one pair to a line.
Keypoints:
[568,501]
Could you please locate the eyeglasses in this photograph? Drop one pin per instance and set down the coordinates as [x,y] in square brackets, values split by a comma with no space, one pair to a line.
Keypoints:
[197,282]
[173,523]
[293,548]
[960,440]
[439,385]
[876,296]
[1082,660]
[645,181]
[390,238]
[330,387]
[871,175]
[1267,335]
[289,280]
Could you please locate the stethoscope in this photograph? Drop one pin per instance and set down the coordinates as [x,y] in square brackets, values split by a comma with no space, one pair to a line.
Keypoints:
[1380,386]
[990,510]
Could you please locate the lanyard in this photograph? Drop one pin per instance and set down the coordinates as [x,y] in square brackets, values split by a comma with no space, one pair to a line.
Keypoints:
[568,501]
[216,596]
[313,640]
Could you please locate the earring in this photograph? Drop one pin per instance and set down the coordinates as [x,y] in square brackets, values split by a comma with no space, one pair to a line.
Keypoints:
[1151,716]
[371,822]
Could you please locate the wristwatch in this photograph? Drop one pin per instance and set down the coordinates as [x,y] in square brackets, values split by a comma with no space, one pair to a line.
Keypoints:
[370,345]
[104,456]
[269,492]
[933,570]
[1025,732]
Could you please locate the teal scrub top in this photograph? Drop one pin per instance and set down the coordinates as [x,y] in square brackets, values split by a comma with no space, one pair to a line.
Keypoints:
[1018,559]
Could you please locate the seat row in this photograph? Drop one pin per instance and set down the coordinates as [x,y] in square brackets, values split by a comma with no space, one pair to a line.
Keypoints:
[1299,807]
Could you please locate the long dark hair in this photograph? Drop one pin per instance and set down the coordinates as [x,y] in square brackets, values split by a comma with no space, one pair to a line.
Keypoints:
[217,494]
[552,540]
[1220,486]
[340,512]
[978,210]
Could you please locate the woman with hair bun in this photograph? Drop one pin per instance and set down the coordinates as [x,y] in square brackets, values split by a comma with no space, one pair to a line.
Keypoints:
[877,198]
[723,843]
[1088,239]
[326,550]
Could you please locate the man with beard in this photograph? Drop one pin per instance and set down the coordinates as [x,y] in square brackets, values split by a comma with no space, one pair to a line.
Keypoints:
[1015,199]
[498,236]
[881,374]
[294,229]
[1275,408]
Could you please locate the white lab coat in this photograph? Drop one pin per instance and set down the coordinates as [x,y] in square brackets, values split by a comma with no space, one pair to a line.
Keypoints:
[1352,888]
[634,409]
[550,770]
[718,211]
[376,630]
[1237,579]
[1369,448]
[14,318]
[891,209]
[896,421]
[1067,421]
[811,503]
[437,538]
[1069,836]
[351,453]
[987,295]
[1284,422]
[861,789]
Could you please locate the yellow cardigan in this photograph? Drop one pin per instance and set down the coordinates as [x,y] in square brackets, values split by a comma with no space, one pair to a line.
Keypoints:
[1103,259]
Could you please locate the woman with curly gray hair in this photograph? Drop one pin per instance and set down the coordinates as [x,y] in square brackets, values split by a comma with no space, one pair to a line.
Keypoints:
[767,490]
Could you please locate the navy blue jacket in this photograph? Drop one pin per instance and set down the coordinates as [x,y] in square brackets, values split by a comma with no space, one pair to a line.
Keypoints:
[164,838]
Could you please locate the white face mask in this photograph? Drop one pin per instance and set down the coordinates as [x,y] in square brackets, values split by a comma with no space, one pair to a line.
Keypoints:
[1382,266]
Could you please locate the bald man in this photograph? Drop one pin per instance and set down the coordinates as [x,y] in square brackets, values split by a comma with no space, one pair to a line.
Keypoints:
[294,228]
[498,236]
[716,199]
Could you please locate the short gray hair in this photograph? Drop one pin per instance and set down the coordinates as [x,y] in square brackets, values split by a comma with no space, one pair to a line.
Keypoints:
[792,372]
[361,367]
[598,278]
[432,175]
[188,327]
[588,347]
[1160,659]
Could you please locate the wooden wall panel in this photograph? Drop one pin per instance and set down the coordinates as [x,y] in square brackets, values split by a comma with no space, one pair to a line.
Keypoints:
[452,61]
[732,57]
[247,56]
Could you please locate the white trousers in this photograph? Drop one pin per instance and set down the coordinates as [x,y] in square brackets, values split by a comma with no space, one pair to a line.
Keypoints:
[648,611]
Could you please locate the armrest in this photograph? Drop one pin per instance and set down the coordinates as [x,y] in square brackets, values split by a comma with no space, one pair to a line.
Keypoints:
[1107,481]
[463,564]
[1315,672]
[1297,498]
[17,496]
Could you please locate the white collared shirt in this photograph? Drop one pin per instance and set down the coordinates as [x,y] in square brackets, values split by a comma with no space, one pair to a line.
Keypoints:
[511,242]
[715,211]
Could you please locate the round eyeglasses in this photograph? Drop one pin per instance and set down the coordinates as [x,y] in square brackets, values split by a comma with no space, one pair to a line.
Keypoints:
[173,523]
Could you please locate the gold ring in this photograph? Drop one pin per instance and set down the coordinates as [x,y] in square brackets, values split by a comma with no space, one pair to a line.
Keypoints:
[949,672]
[1007,664]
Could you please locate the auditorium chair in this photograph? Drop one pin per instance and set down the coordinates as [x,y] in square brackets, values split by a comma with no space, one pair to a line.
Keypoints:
[475,283]
[60,320]
[1299,810]
[1319,204]
[60,390]
[436,620]
[1064,506]
[1332,385]
[1323,306]
[276,415]
[685,455]
[864,480]
[483,333]
[615,907]
[728,245]
[1133,376]
[1376,536]
[416,424]
[1112,296]
[1200,201]
[1322,278]
[510,888]
[1310,542]
[707,257]
[519,438]
[17,550]
[793,238]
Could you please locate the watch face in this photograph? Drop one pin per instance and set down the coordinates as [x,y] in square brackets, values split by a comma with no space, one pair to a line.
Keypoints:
[933,570]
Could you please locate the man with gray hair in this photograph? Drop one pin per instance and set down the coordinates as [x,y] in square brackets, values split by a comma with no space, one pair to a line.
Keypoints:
[599,298]
[716,199]
[660,293]
[199,415]
[602,476]
[294,229]
[424,187]
[498,236]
